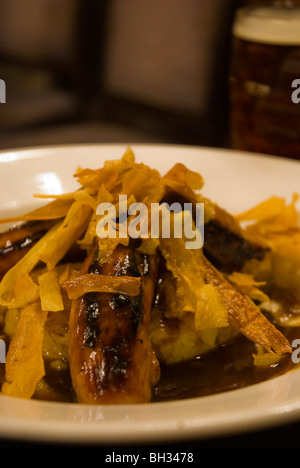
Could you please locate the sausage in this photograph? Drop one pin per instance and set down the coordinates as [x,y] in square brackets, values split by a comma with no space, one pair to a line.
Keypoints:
[110,354]
[227,250]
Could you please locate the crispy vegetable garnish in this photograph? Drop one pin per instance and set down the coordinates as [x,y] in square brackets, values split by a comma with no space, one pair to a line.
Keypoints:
[87,241]
[54,210]
[20,273]
[275,224]
[184,266]
[263,359]
[50,291]
[90,282]
[247,285]
[245,316]
[24,361]
[270,208]
[180,174]
[212,312]
[18,240]
[183,182]
[109,175]
[67,234]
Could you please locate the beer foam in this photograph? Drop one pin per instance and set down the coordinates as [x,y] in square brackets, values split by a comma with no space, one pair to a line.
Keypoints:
[280,26]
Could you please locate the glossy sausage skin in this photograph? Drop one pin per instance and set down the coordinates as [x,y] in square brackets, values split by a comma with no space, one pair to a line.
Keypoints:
[111,357]
[226,250]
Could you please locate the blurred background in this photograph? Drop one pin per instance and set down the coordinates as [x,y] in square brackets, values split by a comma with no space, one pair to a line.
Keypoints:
[86,71]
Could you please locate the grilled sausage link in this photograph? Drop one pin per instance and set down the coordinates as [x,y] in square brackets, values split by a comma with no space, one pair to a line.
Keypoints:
[226,250]
[111,357]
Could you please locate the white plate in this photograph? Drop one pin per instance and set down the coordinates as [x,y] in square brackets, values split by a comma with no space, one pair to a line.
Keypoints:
[236,181]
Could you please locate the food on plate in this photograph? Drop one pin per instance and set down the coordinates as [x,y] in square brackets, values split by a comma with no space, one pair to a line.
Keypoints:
[117,319]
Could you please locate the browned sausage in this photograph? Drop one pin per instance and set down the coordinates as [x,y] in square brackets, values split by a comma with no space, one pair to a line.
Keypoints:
[111,357]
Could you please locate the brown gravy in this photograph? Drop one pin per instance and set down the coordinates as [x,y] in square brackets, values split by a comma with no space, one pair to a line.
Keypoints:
[229,367]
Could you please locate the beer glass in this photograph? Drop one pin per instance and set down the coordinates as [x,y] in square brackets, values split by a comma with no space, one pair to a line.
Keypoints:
[265,79]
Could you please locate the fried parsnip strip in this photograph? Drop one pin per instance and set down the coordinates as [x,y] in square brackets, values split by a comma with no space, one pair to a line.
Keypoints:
[184,176]
[20,274]
[244,315]
[268,209]
[71,229]
[24,361]
[50,293]
[90,282]
[54,210]
[18,240]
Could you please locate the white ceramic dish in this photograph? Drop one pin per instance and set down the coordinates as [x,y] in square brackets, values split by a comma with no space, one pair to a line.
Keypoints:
[236,181]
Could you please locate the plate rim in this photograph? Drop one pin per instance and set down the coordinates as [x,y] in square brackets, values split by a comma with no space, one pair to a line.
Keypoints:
[17,427]
[163,145]
[87,432]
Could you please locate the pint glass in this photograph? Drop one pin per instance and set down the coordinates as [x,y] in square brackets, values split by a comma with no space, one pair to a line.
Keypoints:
[265,80]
